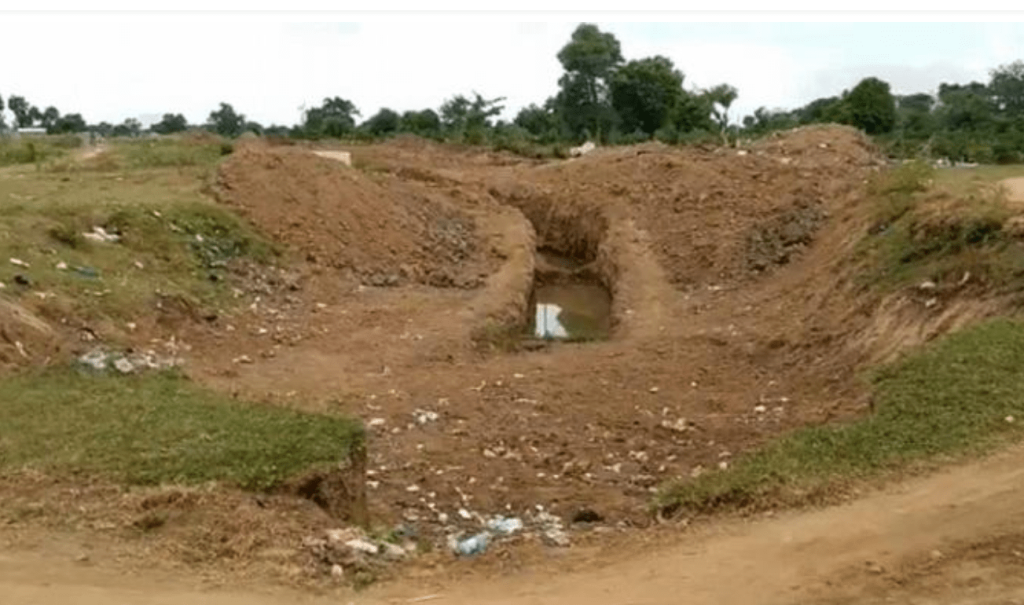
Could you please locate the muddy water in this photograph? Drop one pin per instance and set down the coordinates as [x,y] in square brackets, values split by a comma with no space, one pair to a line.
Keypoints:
[574,311]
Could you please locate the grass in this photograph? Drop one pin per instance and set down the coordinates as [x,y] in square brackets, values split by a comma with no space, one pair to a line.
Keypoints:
[35,149]
[940,225]
[950,399]
[159,428]
[173,238]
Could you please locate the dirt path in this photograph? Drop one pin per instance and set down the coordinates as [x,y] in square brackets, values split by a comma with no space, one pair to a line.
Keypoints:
[841,554]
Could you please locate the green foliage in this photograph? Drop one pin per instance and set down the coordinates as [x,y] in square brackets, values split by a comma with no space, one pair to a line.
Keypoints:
[129,128]
[170,124]
[159,428]
[21,110]
[589,59]
[949,399]
[645,92]
[384,122]
[872,107]
[226,122]
[72,122]
[335,118]
[1007,88]
[425,123]
[469,121]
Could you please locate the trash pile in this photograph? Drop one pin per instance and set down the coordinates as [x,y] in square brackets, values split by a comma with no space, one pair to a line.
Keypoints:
[543,523]
[350,551]
[101,359]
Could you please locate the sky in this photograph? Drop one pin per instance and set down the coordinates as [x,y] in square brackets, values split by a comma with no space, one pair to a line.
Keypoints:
[111,70]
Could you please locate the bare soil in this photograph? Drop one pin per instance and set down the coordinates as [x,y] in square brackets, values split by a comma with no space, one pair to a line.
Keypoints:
[735,316]
[950,538]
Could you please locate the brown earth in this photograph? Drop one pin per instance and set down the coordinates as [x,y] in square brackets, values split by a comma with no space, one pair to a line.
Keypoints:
[953,538]
[733,289]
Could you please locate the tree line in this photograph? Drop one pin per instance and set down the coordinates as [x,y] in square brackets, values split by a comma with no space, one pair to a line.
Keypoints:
[603,97]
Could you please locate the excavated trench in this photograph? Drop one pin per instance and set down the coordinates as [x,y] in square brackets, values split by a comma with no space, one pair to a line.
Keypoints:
[568,301]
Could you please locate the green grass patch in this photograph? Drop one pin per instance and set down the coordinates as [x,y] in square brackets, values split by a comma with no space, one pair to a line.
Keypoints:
[928,225]
[949,399]
[160,428]
[35,149]
[173,239]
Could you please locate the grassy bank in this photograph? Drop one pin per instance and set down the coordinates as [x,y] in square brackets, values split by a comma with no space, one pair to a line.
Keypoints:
[952,398]
[159,428]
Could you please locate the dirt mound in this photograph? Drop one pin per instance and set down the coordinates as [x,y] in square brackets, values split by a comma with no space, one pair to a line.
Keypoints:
[384,231]
[721,215]
[24,337]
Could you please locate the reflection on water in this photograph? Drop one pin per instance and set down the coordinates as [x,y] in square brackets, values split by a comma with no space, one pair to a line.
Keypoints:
[571,311]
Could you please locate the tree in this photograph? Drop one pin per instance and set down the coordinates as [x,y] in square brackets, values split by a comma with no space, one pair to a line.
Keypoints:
[21,110]
[721,98]
[72,122]
[469,120]
[226,122]
[871,106]
[384,122]
[34,115]
[335,118]
[539,121]
[104,129]
[49,118]
[170,123]
[129,128]
[1007,88]
[589,59]
[644,93]
[423,123]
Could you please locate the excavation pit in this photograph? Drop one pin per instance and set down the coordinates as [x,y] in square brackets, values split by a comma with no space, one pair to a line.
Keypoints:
[568,302]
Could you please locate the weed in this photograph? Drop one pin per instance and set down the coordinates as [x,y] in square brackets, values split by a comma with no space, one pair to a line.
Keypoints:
[952,398]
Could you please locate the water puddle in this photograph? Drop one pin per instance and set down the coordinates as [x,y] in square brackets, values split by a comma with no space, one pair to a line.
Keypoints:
[570,311]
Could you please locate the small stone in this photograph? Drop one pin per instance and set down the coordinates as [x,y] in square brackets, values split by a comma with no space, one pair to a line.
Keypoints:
[17,262]
[760,409]
[723,465]
[124,366]
[1010,419]
[62,266]
[465,514]
[936,554]
[376,422]
[337,571]
[653,390]
[242,359]
[931,302]
[927,285]
[875,568]
[364,546]
[82,558]
[412,489]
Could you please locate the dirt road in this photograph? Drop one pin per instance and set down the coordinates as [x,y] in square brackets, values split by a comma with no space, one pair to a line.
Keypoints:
[861,552]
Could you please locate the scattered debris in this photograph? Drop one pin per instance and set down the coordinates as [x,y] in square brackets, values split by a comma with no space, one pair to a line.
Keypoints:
[101,359]
[425,416]
[472,546]
[99,234]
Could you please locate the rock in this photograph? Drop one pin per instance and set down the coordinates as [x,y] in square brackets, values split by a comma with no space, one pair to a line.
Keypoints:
[363,546]
[555,536]
[425,416]
[653,390]
[927,285]
[678,425]
[17,262]
[1010,419]
[875,568]
[123,365]
[22,280]
[337,571]
[242,359]
[393,551]
[760,409]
